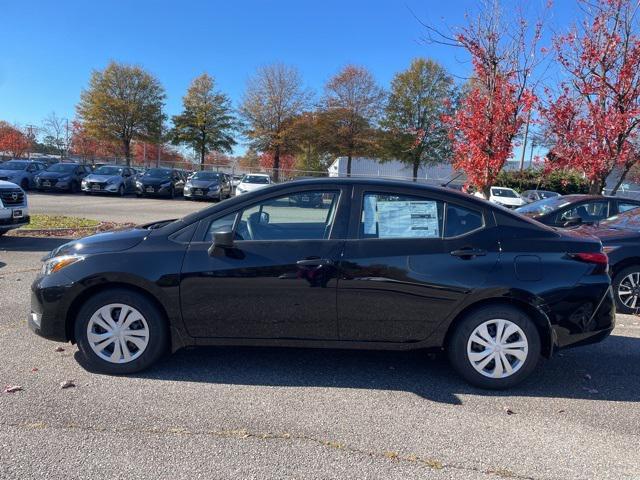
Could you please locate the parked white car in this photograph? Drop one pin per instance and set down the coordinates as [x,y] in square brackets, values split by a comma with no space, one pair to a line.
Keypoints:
[14,210]
[252,182]
[507,197]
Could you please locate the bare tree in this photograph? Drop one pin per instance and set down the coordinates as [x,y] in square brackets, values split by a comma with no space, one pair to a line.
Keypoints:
[56,133]
[272,100]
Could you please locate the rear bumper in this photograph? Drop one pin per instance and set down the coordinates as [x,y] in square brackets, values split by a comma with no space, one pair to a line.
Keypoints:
[586,322]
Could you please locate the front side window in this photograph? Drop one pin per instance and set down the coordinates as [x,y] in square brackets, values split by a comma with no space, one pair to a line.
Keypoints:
[387,215]
[587,212]
[305,215]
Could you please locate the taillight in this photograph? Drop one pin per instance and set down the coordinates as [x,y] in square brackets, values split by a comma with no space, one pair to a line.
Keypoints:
[599,259]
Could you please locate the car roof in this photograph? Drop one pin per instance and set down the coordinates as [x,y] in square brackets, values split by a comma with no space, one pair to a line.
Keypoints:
[578,197]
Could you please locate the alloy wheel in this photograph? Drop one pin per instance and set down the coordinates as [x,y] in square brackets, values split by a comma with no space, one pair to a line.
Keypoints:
[497,348]
[629,290]
[118,333]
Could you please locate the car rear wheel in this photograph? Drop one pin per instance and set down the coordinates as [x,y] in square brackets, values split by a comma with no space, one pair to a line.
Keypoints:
[120,332]
[626,287]
[121,190]
[495,347]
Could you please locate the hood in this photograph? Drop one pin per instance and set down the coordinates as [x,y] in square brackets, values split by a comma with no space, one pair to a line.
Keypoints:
[11,173]
[4,184]
[44,175]
[203,183]
[508,201]
[154,180]
[250,187]
[100,178]
[103,242]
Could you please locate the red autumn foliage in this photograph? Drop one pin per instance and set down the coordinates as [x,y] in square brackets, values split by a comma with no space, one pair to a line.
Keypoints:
[286,164]
[147,155]
[88,147]
[593,121]
[13,141]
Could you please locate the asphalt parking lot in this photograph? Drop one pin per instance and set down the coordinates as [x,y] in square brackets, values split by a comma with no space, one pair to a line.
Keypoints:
[288,413]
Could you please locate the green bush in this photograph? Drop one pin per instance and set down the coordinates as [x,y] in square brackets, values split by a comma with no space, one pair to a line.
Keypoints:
[562,181]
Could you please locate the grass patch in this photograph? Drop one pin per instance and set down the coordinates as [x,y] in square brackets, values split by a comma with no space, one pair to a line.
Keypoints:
[50,222]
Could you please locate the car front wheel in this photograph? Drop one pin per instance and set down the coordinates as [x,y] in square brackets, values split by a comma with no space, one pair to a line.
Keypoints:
[120,332]
[495,347]
[626,287]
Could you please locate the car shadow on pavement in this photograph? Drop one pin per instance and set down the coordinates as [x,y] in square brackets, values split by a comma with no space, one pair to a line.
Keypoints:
[608,371]
[31,244]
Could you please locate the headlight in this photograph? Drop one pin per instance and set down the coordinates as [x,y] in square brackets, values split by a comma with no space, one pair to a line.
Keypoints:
[84,182]
[138,184]
[54,264]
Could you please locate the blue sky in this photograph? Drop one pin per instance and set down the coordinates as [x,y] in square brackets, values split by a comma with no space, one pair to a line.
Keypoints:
[50,48]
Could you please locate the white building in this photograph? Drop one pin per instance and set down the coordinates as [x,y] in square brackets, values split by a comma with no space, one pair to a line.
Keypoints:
[392,169]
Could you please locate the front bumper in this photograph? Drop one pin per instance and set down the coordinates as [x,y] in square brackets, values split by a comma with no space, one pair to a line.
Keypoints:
[9,222]
[57,186]
[153,190]
[49,307]
[203,193]
[102,188]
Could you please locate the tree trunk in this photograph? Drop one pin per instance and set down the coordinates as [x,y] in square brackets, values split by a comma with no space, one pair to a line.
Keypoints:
[202,158]
[349,165]
[621,179]
[597,186]
[276,164]
[416,167]
[127,151]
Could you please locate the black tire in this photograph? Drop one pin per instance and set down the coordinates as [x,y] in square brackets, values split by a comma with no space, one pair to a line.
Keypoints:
[24,184]
[617,279]
[74,188]
[158,333]
[172,193]
[121,191]
[457,346]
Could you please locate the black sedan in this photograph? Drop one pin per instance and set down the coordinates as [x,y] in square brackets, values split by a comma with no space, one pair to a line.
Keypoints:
[165,182]
[572,210]
[620,236]
[380,265]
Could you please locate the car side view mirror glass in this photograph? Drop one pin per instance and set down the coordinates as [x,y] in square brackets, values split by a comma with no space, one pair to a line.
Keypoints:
[222,239]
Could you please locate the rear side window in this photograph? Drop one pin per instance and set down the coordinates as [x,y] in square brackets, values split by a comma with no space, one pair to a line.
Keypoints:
[625,207]
[461,220]
[386,215]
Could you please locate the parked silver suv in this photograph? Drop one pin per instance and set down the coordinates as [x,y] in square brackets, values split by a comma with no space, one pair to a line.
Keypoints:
[14,211]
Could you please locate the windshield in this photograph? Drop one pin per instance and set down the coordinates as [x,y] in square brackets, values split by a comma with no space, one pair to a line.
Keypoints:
[61,167]
[629,220]
[206,176]
[255,179]
[504,192]
[108,171]
[13,166]
[157,172]
[542,207]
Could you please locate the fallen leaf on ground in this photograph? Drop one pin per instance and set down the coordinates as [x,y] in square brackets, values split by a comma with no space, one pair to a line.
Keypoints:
[508,411]
[67,384]
[34,369]
[59,349]
[12,388]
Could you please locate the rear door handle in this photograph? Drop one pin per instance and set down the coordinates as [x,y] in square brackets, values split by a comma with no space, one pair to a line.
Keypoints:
[469,253]
[314,262]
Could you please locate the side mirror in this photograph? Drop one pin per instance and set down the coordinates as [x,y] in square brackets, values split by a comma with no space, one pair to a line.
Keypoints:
[222,239]
[572,221]
[264,218]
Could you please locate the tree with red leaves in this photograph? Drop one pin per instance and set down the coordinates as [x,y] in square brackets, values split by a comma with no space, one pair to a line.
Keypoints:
[286,163]
[88,147]
[592,122]
[499,95]
[147,154]
[13,141]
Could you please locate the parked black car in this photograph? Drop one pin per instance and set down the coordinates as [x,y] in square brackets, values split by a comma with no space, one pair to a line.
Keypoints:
[572,210]
[208,186]
[62,176]
[620,236]
[166,182]
[383,265]
[535,195]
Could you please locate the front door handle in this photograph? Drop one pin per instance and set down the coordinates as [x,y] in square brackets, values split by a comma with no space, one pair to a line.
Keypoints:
[314,262]
[468,253]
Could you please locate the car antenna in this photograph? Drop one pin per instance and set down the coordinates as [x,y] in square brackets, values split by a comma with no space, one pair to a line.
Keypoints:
[452,179]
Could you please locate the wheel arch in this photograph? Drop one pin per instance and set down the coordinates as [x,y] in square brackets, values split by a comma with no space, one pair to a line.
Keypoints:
[622,264]
[539,318]
[82,298]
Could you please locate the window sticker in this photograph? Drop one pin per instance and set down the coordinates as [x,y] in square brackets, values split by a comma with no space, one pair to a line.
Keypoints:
[407,219]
